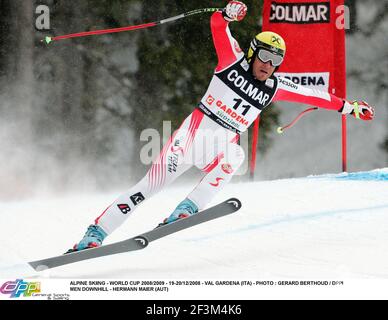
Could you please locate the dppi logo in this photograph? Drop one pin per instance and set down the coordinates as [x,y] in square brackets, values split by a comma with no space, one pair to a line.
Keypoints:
[19,287]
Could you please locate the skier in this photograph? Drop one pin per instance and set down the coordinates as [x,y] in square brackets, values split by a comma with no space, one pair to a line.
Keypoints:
[241,87]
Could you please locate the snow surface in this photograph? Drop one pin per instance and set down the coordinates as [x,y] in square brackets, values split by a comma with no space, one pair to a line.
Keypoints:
[314,227]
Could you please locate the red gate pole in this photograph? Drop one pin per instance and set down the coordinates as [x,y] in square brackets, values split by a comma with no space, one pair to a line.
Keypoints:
[344,145]
[255,138]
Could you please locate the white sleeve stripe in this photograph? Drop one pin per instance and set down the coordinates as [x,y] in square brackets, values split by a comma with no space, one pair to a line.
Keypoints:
[232,42]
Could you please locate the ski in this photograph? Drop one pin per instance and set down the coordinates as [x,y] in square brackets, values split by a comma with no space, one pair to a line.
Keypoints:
[140,242]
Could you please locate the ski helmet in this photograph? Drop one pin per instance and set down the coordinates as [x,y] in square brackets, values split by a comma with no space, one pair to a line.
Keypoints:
[268,40]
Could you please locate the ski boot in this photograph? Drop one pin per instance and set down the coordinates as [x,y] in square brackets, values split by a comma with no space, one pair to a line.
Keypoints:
[184,210]
[92,239]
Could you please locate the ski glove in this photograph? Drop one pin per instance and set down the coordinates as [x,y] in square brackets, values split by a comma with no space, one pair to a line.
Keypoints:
[359,109]
[234,11]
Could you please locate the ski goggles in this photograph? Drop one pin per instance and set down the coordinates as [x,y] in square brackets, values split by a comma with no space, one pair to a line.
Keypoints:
[265,56]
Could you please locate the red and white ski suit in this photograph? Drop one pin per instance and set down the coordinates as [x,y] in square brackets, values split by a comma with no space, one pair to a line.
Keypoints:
[208,137]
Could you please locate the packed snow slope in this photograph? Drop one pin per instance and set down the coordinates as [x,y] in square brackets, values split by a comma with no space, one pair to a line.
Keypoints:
[314,227]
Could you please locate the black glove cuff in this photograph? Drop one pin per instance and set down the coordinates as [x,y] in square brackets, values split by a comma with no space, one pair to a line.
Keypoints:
[342,108]
[224,14]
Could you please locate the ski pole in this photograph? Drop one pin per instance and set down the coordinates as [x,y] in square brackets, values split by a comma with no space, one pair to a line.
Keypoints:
[282,129]
[129,28]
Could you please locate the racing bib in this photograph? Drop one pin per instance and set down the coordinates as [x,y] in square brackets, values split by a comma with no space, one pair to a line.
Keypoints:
[235,98]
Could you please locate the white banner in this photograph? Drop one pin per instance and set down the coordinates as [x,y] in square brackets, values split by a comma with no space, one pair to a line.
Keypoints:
[313,80]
